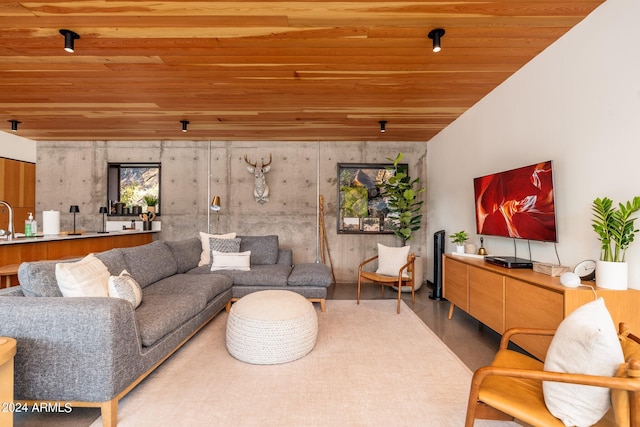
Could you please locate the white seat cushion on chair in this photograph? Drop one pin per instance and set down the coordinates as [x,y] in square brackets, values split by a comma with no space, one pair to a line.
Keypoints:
[586,342]
[391,259]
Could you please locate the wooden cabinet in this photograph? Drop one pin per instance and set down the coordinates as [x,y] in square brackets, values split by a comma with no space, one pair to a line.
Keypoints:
[486,298]
[18,188]
[503,298]
[63,247]
[456,284]
[534,307]
[69,247]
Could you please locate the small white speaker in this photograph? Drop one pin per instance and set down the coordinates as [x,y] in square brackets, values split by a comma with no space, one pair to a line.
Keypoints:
[570,280]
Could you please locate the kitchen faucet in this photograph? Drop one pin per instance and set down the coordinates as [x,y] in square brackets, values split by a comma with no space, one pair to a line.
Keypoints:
[10,233]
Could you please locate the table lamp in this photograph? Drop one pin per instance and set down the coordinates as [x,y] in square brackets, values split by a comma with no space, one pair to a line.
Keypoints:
[74,209]
[103,211]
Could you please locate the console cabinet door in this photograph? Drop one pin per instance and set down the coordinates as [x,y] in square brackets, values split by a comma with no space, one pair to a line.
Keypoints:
[455,286]
[486,298]
[531,306]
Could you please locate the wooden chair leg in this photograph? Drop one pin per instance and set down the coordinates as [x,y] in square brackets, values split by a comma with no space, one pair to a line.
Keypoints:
[109,412]
[399,294]
[358,296]
[413,292]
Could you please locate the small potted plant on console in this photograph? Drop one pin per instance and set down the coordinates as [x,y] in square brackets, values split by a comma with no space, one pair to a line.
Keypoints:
[151,202]
[615,229]
[459,238]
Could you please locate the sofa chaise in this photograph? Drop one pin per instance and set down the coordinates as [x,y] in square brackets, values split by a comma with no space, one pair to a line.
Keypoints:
[92,351]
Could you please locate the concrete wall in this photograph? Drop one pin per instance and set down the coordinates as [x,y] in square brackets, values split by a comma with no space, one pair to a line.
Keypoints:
[75,173]
[577,103]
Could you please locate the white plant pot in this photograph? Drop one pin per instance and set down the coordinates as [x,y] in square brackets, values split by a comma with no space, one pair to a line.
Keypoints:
[460,249]
[612,275]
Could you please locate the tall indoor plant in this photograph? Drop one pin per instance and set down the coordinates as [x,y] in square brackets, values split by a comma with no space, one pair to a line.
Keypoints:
[401,194]
[616,230]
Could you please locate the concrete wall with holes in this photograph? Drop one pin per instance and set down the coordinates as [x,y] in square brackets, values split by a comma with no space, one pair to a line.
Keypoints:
[75,173]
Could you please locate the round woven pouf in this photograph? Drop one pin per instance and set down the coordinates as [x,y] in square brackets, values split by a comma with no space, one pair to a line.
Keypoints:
[271,327]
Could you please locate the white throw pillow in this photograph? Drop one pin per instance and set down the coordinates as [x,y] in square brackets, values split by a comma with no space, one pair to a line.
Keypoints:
[231,261]
[205,255]
[390,259]
[125,286]
[88,277]
[586,342]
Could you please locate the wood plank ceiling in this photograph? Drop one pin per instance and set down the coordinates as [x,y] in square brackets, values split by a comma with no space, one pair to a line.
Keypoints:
[273,70]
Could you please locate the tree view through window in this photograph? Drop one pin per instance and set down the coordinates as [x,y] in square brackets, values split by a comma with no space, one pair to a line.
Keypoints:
[136,185]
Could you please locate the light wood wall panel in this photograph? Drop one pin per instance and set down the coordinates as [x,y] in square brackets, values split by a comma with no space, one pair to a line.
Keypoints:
[18,188]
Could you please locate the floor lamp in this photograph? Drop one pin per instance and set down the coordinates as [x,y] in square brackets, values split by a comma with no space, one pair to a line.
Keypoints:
[215,206]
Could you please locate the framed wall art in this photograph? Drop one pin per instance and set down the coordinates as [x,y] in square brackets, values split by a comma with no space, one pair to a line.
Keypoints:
[361,207]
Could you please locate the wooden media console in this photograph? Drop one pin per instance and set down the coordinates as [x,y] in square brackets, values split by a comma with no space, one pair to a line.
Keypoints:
[503,298]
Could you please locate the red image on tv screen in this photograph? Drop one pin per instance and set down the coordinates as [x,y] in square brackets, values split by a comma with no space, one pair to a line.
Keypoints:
[517,203]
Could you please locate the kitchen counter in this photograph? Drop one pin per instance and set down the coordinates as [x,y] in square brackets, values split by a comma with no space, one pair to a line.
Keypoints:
[21,249]
[58,237]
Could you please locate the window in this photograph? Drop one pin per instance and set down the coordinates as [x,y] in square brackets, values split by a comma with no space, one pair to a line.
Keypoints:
[132,187]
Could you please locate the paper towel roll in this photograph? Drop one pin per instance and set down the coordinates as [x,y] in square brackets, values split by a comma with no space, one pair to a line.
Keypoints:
[51,222]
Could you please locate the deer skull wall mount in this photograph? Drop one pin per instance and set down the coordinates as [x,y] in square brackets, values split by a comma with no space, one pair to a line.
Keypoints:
[261,189]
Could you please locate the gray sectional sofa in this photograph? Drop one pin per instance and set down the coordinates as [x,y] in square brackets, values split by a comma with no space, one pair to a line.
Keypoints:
[91,351]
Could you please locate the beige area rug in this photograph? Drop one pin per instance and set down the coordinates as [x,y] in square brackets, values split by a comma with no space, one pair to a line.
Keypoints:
[370,367]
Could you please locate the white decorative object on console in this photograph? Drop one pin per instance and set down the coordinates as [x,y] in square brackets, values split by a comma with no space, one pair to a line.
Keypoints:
[570,280]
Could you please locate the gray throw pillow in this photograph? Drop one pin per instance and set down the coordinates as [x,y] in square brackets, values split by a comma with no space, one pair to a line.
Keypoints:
[124,286]
[186,252]
[223,245]
[264,249]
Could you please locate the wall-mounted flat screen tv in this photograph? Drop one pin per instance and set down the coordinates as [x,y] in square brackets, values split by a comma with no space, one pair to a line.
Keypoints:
[517,203]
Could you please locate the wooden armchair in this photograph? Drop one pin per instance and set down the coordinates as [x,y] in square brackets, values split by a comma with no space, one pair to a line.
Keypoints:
[400,280]
[511,388]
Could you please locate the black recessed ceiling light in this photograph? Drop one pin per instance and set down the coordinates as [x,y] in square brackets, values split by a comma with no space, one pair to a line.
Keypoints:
[14,125]
[69,37]
[436,35]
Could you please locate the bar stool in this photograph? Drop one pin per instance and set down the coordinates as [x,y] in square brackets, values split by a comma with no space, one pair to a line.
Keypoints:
[6,273]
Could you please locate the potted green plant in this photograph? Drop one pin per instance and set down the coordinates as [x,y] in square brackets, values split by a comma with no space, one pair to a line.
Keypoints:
[151,201]
[405,210]
[459,238]
[401,193]
[616,230]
